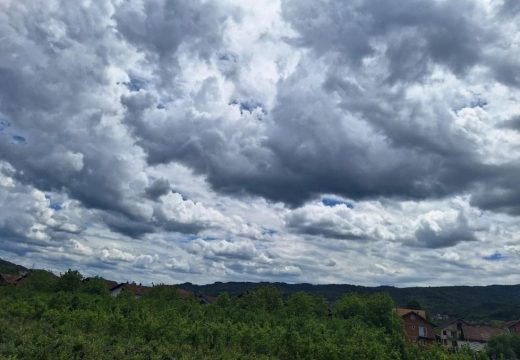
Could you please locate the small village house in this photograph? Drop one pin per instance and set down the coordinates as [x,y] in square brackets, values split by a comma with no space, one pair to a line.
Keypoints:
[9,279]
[460,333]
[140,290]
[207,299]
[137,290]
[513,327]
[416,326]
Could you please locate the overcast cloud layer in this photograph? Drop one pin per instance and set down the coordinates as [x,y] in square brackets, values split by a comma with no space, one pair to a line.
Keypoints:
[366,141]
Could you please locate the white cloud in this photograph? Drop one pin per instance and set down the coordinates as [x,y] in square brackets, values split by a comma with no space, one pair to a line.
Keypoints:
[172,141]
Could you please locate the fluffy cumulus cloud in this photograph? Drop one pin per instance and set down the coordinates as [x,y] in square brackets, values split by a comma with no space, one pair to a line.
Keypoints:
[369,141]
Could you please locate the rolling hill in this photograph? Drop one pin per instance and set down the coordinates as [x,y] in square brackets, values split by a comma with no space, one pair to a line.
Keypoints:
[481,304]
[7,267]
[475,303]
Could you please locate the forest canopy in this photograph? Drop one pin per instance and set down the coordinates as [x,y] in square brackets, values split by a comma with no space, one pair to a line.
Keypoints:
[48,317]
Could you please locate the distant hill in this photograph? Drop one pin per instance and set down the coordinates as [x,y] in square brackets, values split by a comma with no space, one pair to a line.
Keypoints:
[481,304]
[477,303]
[7,267]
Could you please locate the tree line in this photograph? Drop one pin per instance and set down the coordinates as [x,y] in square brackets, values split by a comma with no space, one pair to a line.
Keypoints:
[67,318]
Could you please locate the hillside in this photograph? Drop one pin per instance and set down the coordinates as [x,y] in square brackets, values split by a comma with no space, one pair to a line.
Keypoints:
[7,267]
[477,303]
[48,317]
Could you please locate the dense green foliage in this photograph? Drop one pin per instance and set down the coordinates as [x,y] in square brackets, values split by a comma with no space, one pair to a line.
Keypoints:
[504,347]
[66,318]
[481,304]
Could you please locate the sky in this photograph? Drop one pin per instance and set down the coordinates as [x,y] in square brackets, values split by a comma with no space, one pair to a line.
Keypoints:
[369,142]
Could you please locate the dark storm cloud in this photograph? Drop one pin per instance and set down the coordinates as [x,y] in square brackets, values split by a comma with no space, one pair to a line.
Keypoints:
[350,132]
[513,123]
[158,188]
[57,91]
[126,226]
[325,229]
[448,235]
[164,25]
[415,33]
[501,193]
[510,8]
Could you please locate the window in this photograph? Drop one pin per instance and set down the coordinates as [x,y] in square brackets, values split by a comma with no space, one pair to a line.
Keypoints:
[422,331]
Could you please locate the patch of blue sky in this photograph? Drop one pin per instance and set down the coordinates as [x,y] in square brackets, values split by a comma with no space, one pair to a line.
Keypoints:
[56,206]
[269,232]
[4,124]
[247,106]
[19,139]
[228,57]
[135,84]
[494,257]
[182,238]
[478,102]
[331,202]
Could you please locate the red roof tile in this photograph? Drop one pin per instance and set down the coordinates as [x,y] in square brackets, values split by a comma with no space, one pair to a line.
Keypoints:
[403,311]
[8,279]
[511,323]
[137,290]
[184,293]
[481,333]
[208,299]
[111,284]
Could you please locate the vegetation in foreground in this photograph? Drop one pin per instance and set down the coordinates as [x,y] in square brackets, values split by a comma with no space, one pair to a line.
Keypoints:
[65,318]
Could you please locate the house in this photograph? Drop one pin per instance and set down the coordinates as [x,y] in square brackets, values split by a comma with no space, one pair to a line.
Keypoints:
[460,333]
[416,326]
[207,299]
[9,279]
[184,293]
[137,290]
[513,327]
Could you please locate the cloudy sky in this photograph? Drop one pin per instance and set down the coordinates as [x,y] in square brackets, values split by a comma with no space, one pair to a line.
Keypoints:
[367,141]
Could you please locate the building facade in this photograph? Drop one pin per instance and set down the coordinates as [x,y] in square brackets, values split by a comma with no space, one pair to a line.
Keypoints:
[417,328]
[460,333]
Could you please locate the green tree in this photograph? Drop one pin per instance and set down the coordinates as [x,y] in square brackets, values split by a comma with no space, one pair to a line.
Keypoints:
[303,304]
[351,305]
[504,346]
[70,280]
[414,305]
[267,298]
[95,286]
[39,281]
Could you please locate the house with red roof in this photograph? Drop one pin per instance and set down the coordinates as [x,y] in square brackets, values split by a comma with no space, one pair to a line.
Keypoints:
[460,333]
[137,290]
[9,279]
[513,327]
[417,327]
[207,299]
[140,290]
